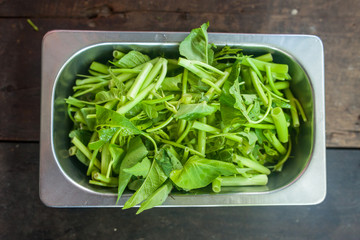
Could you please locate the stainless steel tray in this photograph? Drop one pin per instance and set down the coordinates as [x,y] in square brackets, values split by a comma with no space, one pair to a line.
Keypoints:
[65,53]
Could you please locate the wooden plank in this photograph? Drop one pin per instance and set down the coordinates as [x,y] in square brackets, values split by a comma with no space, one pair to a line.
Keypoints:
[96,8]
[20,48]
[23,216]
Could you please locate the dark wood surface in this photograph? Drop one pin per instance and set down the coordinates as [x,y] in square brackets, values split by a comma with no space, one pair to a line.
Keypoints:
[23,216]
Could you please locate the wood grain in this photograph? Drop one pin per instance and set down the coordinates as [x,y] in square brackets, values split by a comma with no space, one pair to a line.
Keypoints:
[335,22]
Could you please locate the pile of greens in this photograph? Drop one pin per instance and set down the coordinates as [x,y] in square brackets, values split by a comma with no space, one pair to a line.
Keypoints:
[213,116]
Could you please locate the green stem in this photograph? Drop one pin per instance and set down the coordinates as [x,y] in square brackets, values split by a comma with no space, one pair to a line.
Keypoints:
[162,125]
[211,84]
[102,184]
[184,81]
[152,75]
[92,161]
[105,159]
[240,160]
[271,81]
[260,126]
[193,151]
[256,83]
[185,132]
[265,58]
[270,136]
[135,88]
[117,54]
[125,70]
[162,75]
[293,110]
[210,93]
[129,105]
[99,67]
[202,137]
[280,164]
[202,126]
[278,117]
[85,150]
[102,178]
[159,100]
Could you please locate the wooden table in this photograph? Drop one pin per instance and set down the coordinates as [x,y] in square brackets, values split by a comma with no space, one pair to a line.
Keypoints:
[23,216]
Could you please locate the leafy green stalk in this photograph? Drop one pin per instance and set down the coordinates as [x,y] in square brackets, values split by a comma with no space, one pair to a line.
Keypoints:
[85,151]
[240,160]
[202,126]
[193,151]
[105,159]
[293,110]
[197,70]
[185,132]
[156,198]
[278,117]
[161,125]
[153,73]
[278,167]
[155,178]
[102,178]
[99,67]
[210,93]
[232,181]
[129,105]
[270,136]
[271,80]
[255,81]
[202,137]
[135,88]
[265,58]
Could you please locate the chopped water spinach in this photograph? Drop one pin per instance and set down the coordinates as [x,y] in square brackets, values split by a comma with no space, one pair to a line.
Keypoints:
[213,117]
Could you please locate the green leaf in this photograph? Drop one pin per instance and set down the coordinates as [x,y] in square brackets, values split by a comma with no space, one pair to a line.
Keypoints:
[90,122]
[194,111]
[239,103]
[132,59]
[150,110]
[105,135]
[172,83]
[83,135]
[140,169]
[249,98]
[230,115]
[136,184]
[156,198]
[196,46]
[112,119]
[153,181]
[226,98]
[105,96]
[278,103]
[255,111]
[117,154]
[251,136]
[167,161]
[196,85]
[199,172]
[136,152]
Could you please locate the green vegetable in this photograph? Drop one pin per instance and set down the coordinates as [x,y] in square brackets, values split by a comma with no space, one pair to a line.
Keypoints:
[155,178]
[157,197]
[199,172]
[136,152]
[155,125]
[196,46]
